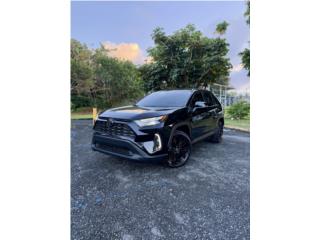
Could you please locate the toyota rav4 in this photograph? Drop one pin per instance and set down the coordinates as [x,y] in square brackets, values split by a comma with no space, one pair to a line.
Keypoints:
[162,125]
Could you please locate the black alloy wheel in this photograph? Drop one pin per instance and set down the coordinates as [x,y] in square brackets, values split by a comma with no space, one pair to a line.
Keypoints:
[180,149]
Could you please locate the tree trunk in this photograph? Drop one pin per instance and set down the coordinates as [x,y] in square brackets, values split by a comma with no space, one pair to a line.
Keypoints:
[186,80]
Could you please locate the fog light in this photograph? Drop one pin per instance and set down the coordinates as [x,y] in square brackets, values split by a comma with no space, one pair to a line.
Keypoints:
[157,143]
[153,146]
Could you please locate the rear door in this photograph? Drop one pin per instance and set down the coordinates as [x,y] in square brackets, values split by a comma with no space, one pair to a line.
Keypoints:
[217,109]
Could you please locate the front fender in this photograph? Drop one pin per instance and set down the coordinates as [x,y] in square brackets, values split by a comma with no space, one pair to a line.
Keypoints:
[176,126]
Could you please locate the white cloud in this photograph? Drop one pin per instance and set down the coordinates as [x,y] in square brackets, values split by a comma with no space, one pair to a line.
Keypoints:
[148,59]
[125,51]
[237,68]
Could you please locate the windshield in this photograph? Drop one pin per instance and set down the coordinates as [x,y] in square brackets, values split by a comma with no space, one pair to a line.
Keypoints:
[177,98]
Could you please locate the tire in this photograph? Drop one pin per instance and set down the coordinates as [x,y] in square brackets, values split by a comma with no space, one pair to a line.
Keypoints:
[217,136]
[179,149]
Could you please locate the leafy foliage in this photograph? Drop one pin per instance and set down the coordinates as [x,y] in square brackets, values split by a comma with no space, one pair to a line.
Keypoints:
[245,58]
[240,110]
[78,101]
[245,54]
[115,80]
[185,59]
[99,80]
[222,27]
[81,69]
[247,12]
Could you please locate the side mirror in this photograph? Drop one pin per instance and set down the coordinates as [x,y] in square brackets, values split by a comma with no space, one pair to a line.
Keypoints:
[199,104]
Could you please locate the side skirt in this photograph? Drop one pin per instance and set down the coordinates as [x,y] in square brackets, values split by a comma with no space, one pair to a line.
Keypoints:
[202,137]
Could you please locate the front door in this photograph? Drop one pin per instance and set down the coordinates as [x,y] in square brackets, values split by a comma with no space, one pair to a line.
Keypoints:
[199,116]
[213,110]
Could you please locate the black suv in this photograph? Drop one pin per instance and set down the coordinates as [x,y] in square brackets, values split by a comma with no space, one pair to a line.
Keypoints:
[162,125]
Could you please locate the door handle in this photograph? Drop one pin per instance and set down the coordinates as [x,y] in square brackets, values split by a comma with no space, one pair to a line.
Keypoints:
[206,114]
[214,113]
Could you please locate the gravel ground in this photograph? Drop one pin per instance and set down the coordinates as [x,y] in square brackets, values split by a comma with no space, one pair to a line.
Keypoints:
[208,198]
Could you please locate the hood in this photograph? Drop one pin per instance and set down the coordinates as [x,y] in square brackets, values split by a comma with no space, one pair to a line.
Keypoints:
[135,112]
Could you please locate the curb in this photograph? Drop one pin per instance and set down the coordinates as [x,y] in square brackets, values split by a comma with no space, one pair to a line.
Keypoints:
[238,129]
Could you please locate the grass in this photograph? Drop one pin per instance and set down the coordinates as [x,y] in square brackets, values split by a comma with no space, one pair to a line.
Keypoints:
[82,113]
[243,123]
[77,116]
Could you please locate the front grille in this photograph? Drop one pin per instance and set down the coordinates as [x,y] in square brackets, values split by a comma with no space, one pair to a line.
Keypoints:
[115,149]
[114,129]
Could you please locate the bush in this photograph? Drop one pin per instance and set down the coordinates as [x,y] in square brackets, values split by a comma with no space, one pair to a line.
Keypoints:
[79,101]
[73,107]
[240,110]
[102,103]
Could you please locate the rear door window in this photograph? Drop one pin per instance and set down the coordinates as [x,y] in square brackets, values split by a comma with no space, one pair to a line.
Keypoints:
[208,98]
[216,101]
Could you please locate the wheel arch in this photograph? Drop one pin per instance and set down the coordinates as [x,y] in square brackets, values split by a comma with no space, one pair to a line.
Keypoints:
[221,120]
[184,127]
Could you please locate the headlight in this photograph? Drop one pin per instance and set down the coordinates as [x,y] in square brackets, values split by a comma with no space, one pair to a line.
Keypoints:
[150,121]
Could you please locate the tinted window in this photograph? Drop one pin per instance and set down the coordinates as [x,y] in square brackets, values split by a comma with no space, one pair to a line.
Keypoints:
[196,97]
[216,102]
[208,98]
[166,99]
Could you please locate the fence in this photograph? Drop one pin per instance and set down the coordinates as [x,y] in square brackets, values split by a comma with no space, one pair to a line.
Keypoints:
[227,96]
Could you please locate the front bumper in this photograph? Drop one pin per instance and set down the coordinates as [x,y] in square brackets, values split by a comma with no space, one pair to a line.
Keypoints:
[122,148]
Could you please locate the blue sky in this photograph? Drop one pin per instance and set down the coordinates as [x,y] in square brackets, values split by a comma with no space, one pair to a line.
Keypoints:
[127,26]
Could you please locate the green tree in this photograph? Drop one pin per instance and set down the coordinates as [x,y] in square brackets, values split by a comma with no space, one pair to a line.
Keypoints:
[245,54]
[245,59]
[221,28]
[185,59]
[115,80]
[81,74]
[247,12]
[100,80]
